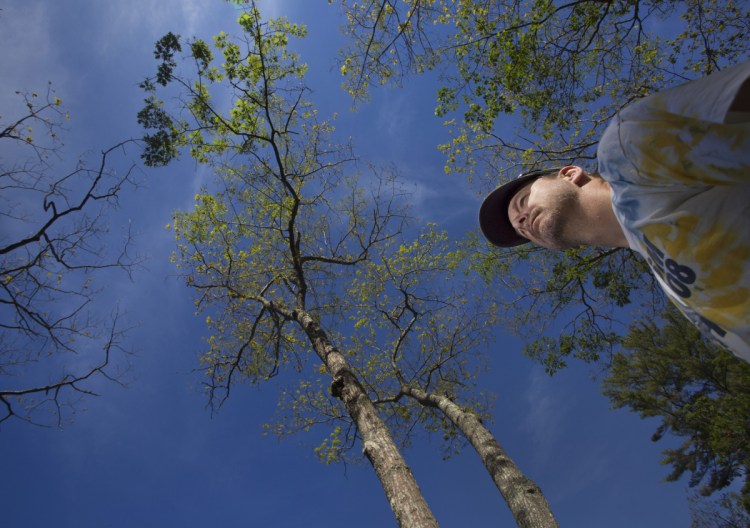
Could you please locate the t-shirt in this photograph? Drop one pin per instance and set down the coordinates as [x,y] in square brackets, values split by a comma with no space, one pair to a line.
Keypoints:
[679,168]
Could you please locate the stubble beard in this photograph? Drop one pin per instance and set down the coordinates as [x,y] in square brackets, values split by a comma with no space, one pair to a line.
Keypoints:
[558,229]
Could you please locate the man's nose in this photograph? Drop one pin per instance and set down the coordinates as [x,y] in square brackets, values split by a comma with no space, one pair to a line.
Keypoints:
[519,220]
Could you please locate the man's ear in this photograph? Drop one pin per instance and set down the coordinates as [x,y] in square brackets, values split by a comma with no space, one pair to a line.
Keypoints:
[575,174]
[741,101]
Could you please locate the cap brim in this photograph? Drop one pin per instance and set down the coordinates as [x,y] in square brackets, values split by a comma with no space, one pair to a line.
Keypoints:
[493,213]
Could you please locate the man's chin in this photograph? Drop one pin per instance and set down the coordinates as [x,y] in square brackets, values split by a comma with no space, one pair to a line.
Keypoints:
[557,245]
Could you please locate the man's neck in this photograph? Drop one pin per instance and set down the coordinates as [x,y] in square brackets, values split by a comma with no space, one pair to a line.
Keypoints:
[603,226]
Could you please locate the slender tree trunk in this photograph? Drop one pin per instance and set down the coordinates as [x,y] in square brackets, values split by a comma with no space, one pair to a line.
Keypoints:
[401,489]
[524,497]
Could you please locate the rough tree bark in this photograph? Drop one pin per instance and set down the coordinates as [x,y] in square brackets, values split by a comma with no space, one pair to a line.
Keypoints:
[401,489]
[523,496]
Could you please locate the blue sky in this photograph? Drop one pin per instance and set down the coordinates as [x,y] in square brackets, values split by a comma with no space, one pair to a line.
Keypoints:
[151,454]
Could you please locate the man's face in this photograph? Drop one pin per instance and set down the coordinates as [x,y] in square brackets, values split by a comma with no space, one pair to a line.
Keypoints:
[545,212]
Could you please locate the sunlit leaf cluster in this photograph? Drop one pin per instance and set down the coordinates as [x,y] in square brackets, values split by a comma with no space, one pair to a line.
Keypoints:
[562,68]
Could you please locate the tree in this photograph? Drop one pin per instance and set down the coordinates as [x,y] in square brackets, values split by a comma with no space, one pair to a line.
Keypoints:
[292,252]
[699,393]
[419,320]
[531,83]
[52,247]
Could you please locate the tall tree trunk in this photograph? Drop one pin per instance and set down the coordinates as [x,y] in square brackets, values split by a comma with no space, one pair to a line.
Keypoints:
[401,489]
[524,497]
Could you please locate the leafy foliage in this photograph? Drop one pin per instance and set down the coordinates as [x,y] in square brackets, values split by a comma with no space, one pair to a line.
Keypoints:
[699,393]
[563,67]
[568,305]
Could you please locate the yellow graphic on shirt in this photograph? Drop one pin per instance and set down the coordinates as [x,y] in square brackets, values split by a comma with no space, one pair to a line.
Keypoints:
[703,267]
[695,152]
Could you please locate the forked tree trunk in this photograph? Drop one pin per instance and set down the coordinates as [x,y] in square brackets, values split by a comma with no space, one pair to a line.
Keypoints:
[523,496]
[401,489]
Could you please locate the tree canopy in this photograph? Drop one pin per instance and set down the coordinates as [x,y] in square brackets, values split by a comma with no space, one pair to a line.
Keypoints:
[563,67]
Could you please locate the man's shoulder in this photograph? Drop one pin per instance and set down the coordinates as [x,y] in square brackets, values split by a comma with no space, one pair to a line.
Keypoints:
[707,98]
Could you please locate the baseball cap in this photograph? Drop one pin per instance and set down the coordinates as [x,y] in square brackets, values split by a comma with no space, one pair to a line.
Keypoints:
[493,213]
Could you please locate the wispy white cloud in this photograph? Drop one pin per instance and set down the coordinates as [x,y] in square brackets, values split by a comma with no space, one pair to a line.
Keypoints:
[545,413]
[589,471]
[567,447]
[187,17]
[395,118]
[276,8]
[443,199]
